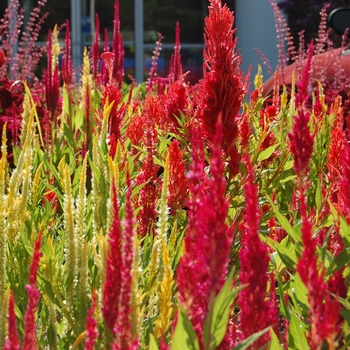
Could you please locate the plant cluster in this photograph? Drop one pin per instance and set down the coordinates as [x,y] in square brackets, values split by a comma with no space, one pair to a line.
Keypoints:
[169,215]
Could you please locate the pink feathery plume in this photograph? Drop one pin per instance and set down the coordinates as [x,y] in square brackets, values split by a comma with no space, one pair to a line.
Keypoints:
[122,329]
[153,71]
[344,189]
[52,83]
[67,64]
[118,48]
[105,70]
[149,193]
[203,266]
[91,325]
[254,261]
[301,140]
[175,100]
[175,59]
[12,342]
[96,48]
[224,85]
[112,286]
[178,182]
[29,339]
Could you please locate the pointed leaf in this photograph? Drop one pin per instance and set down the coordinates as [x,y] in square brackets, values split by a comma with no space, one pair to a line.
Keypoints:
[266,153]
[284,222]
[250,340]
[297,337]
[218,315]
[152,343]
[274,344]
[184,336]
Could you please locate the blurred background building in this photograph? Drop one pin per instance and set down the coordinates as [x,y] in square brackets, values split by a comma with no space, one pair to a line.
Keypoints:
[141,20]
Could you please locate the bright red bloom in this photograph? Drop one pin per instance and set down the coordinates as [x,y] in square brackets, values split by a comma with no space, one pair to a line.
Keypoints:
[175,59]
[12,342]
[301,140]
[149,193]
[203,266]
[344,189]
[29,339]
[52,83]
[178,182]
[223,87]
[67,63]
[2,57]
[257,313]
[96,48]
[175,100]
[124,339]
[91,329]
[112,286]
[118,48]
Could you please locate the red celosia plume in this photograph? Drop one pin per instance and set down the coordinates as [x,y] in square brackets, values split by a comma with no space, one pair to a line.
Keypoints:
[29,339]
[204,264]
[223,87]
[12,341]
[91,329]
[112,286]
[254,261]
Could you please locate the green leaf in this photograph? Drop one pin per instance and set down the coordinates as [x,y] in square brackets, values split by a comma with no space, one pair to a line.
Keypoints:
[284,310]
[318,195]
[286,251]
[297,337]
[78,118]
[339,262]
[284,222]
[288,165]
[300,292]
[215,325]
[288,178]
[68,134]
[250,340]
[152,343]
[274,344]
[184,336]
[266,153]
[346,315]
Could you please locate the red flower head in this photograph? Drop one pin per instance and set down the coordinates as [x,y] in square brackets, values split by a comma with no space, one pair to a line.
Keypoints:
[12,342]
[203,266]
[2,57]
[301,140]
[254,260]
[224,85]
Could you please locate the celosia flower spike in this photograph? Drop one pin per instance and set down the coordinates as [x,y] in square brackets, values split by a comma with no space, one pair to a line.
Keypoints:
[96,48]
[67,63]
[118,48]
[29,339]
[12,342]
[91,329]
[111,289]
[175,59]
[344,189]
[124,339]
[224,85]
[301,139]
[203,266]
[254,261]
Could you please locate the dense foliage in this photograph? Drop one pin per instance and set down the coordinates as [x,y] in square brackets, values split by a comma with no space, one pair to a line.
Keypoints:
[169,215]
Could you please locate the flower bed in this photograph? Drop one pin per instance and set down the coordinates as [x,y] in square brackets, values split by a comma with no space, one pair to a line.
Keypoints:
[168,215]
